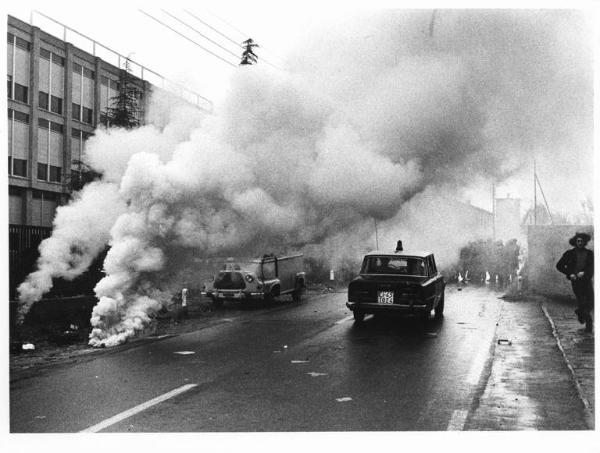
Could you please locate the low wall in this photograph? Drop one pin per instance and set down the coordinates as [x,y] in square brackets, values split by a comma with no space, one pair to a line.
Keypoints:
[545,246]
[58,312]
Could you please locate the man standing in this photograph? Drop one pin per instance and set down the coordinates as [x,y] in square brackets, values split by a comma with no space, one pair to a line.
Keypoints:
[578,265]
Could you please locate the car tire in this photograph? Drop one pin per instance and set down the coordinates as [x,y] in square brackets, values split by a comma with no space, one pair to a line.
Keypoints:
[359,316]
[439,310]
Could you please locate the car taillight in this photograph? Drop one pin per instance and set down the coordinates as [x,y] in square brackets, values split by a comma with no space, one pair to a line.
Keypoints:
[249,278]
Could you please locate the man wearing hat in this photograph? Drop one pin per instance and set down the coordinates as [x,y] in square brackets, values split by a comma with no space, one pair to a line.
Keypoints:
[578,265]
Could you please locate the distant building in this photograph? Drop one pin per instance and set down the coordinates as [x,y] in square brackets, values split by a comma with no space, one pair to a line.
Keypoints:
[57,95]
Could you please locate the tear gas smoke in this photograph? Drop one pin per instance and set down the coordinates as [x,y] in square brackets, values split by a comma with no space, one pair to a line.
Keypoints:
[371,123]
[80,233]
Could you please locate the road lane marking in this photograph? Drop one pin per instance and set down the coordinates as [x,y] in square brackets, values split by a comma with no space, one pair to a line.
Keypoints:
[184,352]
[347,318]
[457,421]
[137,409]
[480,360]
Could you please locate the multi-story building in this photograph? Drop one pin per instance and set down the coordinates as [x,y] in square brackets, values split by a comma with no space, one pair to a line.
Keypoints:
[57,95]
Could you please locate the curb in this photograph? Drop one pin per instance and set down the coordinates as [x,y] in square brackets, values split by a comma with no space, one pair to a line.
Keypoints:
[588,413]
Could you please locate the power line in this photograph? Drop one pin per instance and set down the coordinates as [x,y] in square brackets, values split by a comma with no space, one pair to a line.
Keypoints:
[189,39]
[204,36]
[227,37]
[212,28]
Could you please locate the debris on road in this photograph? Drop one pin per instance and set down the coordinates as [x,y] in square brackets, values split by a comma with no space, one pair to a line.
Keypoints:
[299,361]
[504,342]
[344,399]
[315,374]
[28,347]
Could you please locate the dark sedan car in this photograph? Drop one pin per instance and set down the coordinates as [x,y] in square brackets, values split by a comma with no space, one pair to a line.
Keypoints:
[400,282]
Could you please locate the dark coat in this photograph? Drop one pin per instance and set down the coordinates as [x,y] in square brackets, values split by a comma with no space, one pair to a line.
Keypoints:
[567,264]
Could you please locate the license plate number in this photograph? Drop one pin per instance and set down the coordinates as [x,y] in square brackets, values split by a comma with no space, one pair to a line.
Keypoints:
[385,297]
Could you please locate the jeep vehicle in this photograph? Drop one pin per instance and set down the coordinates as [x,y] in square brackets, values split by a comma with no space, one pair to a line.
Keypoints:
[402,282]
[260,279]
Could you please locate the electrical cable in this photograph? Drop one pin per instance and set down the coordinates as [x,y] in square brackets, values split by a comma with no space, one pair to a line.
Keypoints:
[212,28]
[189,39]
[204,36]
[227,37]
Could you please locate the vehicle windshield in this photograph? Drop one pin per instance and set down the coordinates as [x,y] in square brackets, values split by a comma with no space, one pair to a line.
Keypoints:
[400,265]
[245,266]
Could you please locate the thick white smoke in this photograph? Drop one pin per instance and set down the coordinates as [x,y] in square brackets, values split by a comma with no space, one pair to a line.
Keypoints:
[80,232]
[364,123]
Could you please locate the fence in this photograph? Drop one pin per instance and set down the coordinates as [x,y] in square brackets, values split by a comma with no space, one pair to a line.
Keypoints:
[23,242]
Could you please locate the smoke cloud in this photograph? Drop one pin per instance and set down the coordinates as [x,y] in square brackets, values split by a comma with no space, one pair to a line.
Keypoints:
[81,231]
[373,122]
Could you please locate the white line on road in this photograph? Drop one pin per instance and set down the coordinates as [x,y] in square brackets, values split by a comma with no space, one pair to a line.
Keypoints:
[347,318]
[480,359]
[137,409]
[457,422]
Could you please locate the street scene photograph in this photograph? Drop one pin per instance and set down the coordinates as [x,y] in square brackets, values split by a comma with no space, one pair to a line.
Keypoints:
[280,225]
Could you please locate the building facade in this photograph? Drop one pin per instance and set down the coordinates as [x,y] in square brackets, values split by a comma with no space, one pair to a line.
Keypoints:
[57,95]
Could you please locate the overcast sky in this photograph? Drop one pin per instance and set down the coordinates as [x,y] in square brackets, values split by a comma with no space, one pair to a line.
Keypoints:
[278,27]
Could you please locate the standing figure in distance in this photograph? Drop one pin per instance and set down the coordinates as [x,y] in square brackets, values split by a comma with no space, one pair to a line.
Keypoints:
[578,265]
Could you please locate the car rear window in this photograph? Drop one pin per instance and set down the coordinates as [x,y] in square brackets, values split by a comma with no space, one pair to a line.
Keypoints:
[393,265]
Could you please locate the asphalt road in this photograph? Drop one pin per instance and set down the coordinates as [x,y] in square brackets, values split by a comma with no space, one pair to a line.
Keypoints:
[290,367]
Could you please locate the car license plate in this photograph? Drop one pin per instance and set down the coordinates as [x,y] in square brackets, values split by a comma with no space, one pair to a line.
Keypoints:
[385,297]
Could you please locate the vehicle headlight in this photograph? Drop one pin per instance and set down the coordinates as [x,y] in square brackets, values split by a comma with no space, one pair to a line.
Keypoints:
[249,278]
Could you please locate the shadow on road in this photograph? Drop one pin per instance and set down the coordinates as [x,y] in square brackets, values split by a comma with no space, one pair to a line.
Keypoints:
[396,326]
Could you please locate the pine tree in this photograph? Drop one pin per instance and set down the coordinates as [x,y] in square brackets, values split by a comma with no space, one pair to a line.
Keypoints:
[248,55]
[124,105]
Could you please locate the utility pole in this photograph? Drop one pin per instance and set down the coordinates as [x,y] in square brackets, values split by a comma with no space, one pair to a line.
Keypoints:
[494,210]
[534,193]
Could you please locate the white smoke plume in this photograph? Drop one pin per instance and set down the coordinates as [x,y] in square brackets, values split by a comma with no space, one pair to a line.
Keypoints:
[81,230]
[367,124]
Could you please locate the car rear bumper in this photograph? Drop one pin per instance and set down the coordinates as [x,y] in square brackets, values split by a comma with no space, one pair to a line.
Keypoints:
[413,308]
[234,295]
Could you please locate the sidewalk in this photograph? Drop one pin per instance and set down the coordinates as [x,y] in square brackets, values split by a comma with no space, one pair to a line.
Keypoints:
[577,347]
[542,373]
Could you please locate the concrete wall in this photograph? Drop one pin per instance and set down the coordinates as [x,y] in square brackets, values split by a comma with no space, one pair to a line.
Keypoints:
[545,246]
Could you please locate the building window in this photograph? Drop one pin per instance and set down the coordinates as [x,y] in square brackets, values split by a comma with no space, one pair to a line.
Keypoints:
[21,93]
[42,173]
[87,116]
[9,165]
[55,127]
[19,116]
[43,100]
[44,124]
[76,115]
[57,59]
[89,73]
[20,167]
[9,87]
[56,105]
[45,54]
[55,173]
[22,44]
